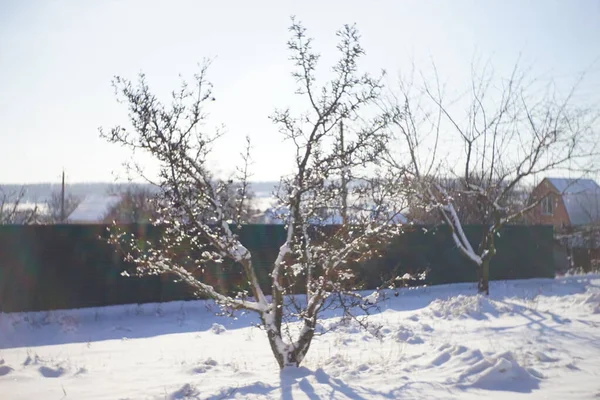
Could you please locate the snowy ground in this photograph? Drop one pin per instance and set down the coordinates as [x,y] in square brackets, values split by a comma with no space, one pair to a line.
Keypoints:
[530,339]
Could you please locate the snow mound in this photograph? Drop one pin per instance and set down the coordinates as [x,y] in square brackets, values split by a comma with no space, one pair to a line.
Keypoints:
[445,353]
[350,330]
[337,364]
[407,335]
[543,357]
[466,368]
[346,367]
[345,326]
[499,373]
[593,301]
[217,329]
[371,299]
[463,307]
[337,360]
[187,391]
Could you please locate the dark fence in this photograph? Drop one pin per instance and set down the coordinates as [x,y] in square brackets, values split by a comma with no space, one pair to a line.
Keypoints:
[523,252]
[69,266]
[586,260]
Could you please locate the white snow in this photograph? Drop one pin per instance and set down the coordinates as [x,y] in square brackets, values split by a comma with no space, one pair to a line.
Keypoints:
[536,338]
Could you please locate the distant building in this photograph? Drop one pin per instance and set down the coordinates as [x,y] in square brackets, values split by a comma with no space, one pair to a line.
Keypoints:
[566,203]
[93,209]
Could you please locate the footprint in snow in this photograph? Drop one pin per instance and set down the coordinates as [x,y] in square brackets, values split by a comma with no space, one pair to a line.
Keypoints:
[386,331]
[205,366]
[447,351]
[408,336]
[48,372]
[5,370]
[440,359]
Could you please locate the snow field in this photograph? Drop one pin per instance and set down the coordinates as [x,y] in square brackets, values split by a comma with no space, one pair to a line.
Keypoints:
[530,339]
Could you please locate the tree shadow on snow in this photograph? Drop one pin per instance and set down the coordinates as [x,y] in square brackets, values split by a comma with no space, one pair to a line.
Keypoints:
[295,383]
[337,385]
[290,377]
[539,319]
[133,321]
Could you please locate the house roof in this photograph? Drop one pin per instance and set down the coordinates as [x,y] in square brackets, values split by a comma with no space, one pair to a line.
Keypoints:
[573,186]
[581,198]
[93,208]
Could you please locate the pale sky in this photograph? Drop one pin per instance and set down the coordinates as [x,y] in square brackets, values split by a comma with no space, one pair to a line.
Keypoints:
[57,59]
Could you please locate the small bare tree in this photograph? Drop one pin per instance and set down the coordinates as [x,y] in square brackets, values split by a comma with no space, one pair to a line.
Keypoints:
[137,205]
[510,130]
[469,210]
[313,257]
[236,195]
[14,211]
[54,207]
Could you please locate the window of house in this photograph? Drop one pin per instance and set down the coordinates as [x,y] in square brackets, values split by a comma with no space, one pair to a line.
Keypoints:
[547,206]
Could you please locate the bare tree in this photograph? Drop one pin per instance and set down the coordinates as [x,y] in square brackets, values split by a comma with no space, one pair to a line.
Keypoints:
[54,207]
[236,195]
[137,205]
[468,208]
[13,209]
[141,203]
[313,258]
[510,130]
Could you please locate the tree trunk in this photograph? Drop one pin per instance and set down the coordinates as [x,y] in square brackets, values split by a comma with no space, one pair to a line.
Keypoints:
[279,356]
[487,250]
[288,355]
[302,345]
[484,277]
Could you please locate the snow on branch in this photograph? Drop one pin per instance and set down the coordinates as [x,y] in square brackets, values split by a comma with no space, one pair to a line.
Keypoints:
[340,207]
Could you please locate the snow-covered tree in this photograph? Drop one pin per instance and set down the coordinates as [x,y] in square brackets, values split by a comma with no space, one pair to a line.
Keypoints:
[511,130]
[314,257]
